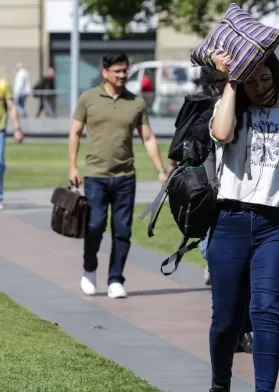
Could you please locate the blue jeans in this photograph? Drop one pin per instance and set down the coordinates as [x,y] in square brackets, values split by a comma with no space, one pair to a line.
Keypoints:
[2,161]
[243,245]
[20,104]
[119,193]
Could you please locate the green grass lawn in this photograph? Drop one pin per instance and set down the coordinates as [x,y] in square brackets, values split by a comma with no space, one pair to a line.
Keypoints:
[45,165]
[36,356]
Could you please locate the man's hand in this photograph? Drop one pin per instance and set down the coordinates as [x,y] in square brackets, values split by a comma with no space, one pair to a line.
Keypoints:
[18,135]
[162,177]
[74,177]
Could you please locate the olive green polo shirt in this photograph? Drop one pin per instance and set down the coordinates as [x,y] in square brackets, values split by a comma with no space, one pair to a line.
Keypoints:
[110,125]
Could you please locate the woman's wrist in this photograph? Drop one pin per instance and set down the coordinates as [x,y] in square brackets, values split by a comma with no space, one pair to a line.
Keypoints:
[231,85]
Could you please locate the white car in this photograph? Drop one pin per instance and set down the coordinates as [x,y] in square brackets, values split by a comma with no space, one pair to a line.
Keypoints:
[171,80]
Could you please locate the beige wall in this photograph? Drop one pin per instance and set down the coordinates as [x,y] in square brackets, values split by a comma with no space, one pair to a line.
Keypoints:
[172,45]
[20,37]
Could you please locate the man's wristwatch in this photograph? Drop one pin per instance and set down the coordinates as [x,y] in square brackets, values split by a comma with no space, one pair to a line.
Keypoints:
[161,170]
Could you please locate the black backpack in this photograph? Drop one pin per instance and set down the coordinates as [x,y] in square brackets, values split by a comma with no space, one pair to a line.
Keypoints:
[198,145]
[192,196]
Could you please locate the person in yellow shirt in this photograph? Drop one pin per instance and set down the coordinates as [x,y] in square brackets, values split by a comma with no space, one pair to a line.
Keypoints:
[7,107]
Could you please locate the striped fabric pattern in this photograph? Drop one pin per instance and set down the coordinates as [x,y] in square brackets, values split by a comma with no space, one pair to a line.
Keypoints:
[247,41]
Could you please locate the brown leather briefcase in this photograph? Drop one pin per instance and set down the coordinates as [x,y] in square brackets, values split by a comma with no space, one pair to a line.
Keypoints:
[70,213]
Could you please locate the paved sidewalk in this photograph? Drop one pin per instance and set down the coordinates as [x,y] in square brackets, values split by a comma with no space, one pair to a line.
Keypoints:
[160,332]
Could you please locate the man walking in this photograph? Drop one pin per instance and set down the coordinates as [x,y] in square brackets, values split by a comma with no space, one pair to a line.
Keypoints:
[46,94]
[7,107]
[22,88]
[110,113]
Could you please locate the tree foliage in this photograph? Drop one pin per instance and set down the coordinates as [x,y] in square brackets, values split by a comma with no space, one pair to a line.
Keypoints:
[118,15]
[197,16]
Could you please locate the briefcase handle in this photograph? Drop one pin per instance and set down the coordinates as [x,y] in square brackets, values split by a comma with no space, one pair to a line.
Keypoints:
[73,187]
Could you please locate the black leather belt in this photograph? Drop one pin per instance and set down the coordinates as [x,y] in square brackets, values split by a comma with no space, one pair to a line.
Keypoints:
[236,205]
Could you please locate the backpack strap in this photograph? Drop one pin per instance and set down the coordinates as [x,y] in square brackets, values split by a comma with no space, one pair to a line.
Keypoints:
[177,256]
[155,207]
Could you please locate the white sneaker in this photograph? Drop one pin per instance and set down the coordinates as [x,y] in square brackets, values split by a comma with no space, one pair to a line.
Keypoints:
[88,283]
[1,206]
[207,279]
[116,290]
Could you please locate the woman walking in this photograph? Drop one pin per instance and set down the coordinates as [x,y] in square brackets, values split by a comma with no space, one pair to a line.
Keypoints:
[245,127]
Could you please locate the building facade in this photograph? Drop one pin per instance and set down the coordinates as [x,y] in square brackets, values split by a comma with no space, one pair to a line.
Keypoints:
[37,33]
[23,37]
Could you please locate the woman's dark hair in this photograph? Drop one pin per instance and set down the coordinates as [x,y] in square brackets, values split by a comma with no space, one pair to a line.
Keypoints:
[211,79]
[243,102]
[114,58]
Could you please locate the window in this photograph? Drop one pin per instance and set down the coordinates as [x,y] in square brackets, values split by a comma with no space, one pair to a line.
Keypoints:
[134,77]
[172,73]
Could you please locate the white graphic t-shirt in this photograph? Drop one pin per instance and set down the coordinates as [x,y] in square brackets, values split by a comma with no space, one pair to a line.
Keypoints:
[261,186]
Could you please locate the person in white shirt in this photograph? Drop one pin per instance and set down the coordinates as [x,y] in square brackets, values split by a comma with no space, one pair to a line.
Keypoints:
[243,248]
[22,88]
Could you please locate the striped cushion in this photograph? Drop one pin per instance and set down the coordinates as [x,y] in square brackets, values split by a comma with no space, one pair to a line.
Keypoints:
[247,41]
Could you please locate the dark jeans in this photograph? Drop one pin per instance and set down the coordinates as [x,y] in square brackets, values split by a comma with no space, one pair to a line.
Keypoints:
[47,104]
[244,241]
[119,193]
[20,104]
[247,328]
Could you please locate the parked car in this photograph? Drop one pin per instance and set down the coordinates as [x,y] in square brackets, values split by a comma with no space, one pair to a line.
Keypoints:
[171,81]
